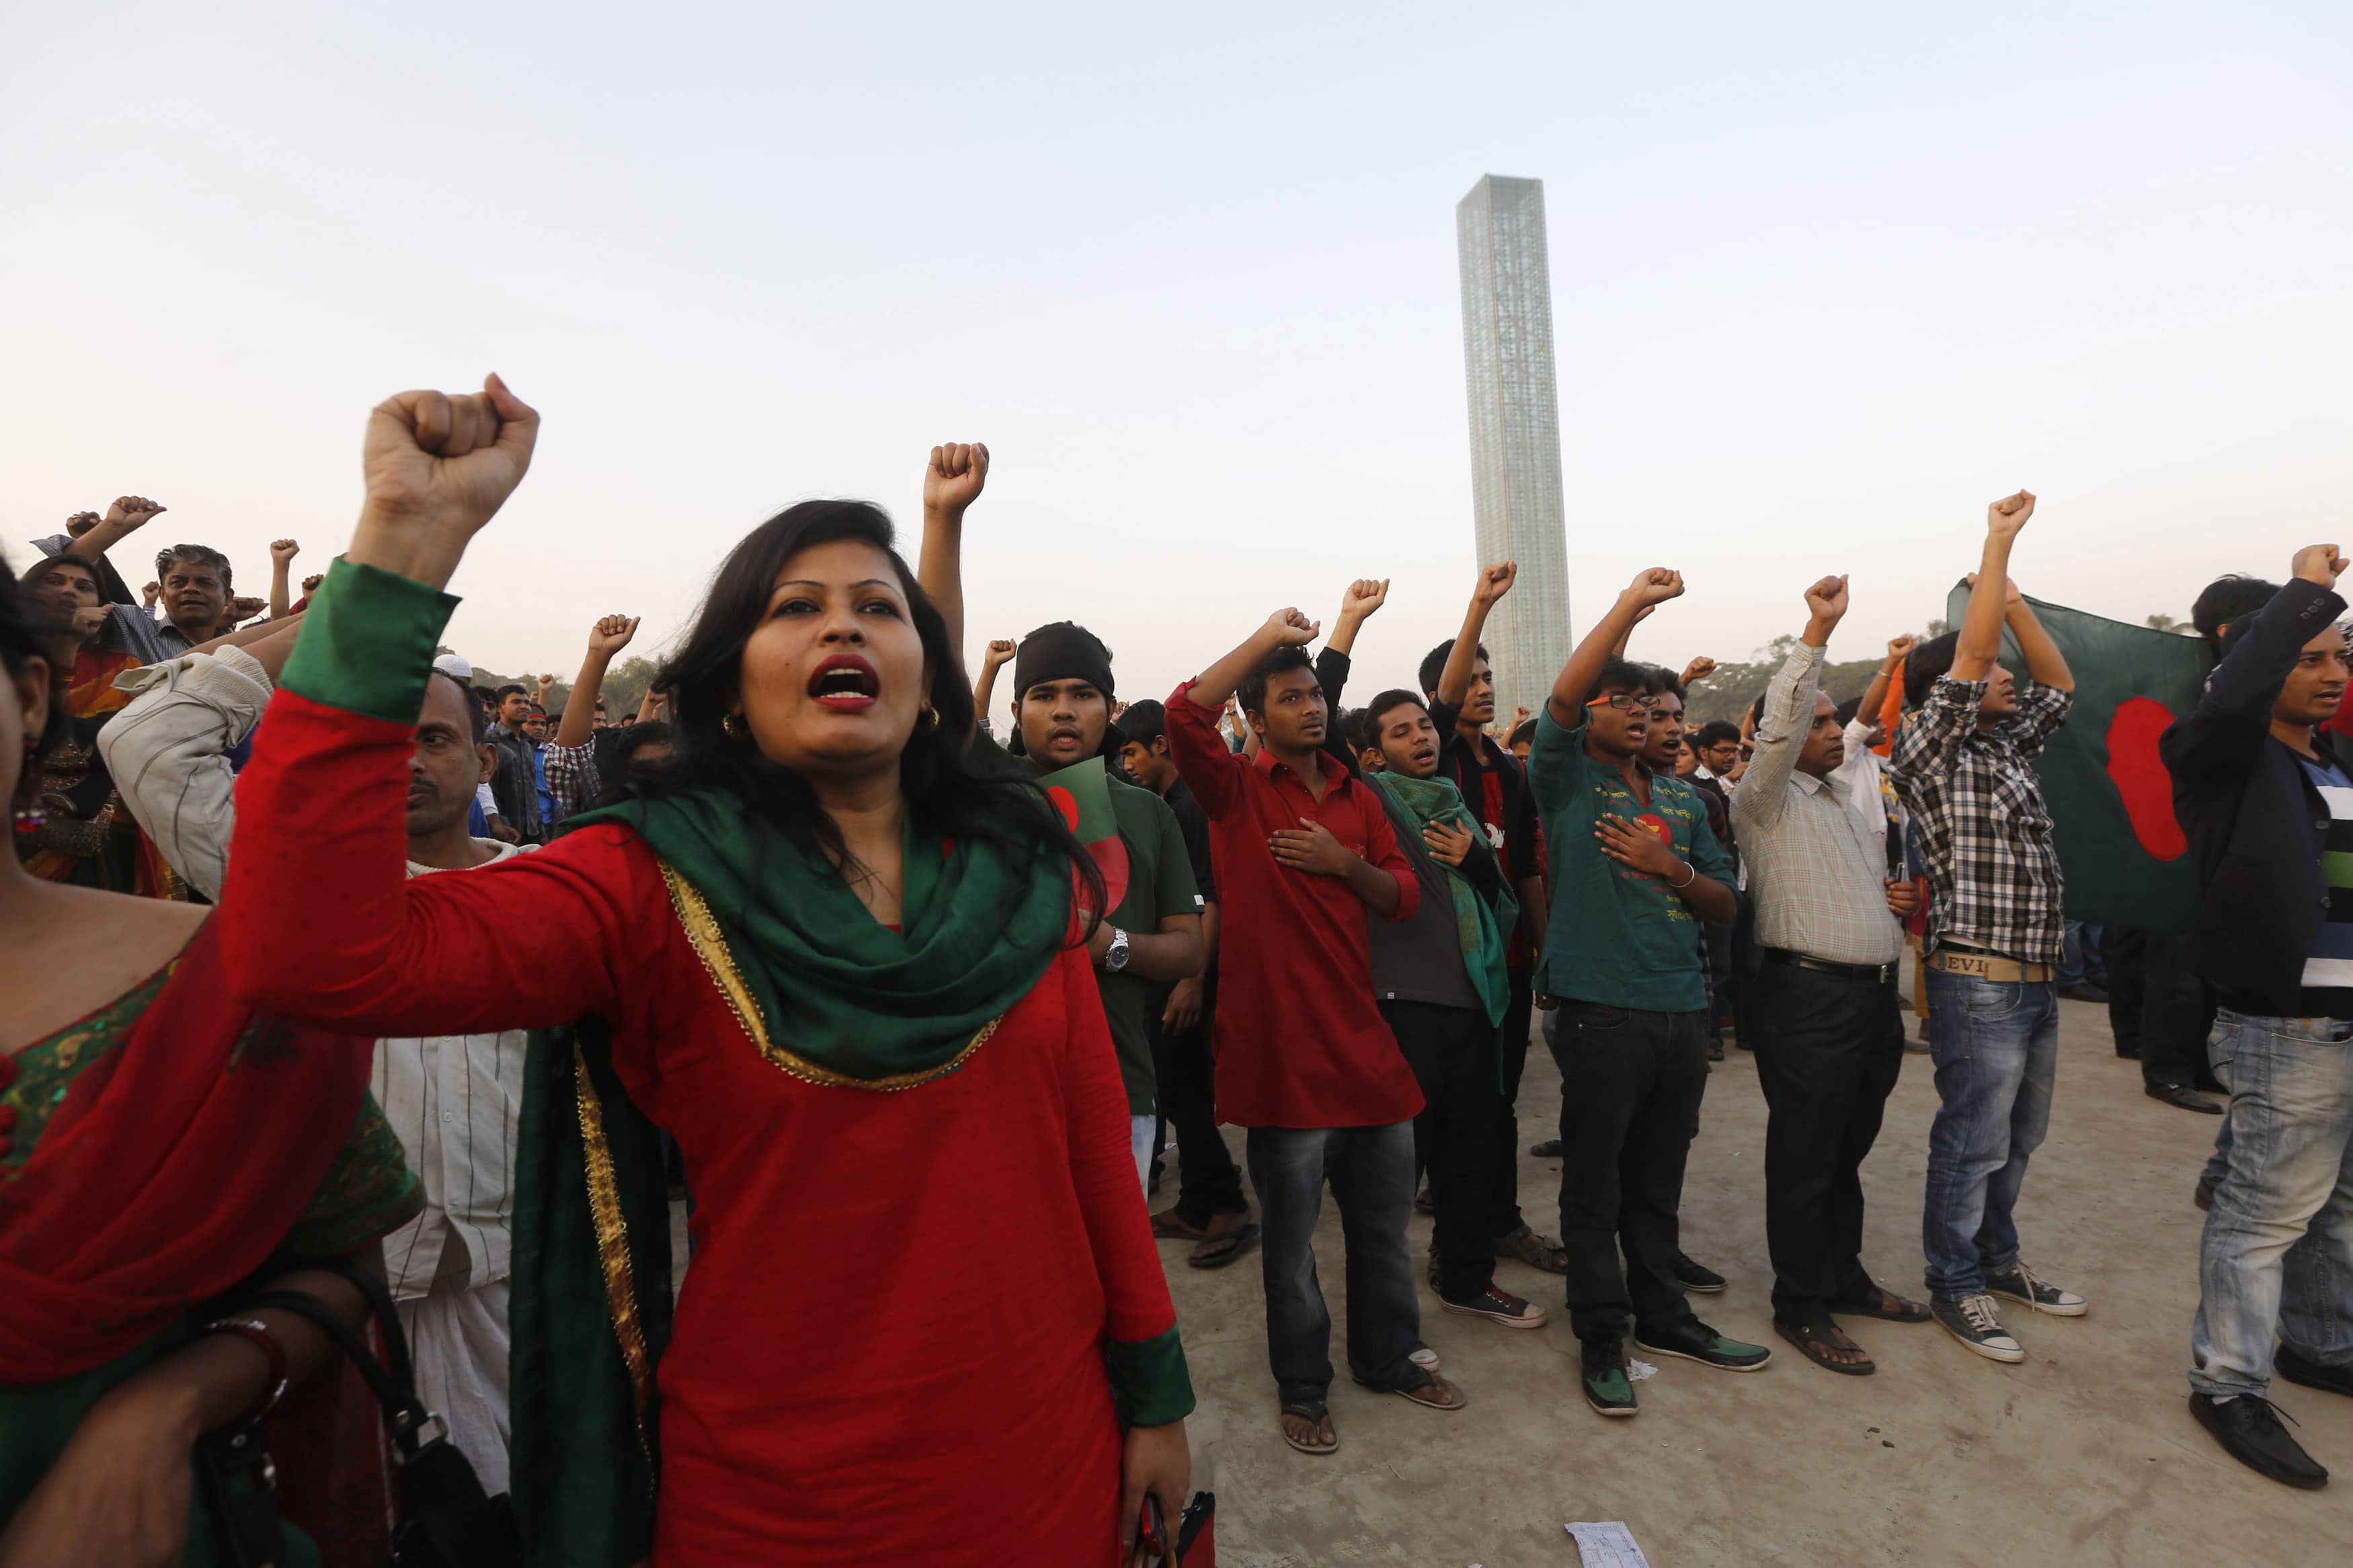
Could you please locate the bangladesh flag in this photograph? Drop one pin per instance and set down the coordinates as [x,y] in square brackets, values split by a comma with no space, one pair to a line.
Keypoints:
[1082,792]
[2124,856]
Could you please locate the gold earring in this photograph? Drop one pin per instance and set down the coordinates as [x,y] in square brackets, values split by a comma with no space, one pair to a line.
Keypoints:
[736,727]
[927,718]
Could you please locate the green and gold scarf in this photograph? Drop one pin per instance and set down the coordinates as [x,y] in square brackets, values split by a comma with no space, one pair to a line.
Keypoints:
[1482,928]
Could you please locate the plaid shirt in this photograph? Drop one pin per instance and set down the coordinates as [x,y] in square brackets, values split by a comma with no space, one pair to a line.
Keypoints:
[571,777]
[1993,875]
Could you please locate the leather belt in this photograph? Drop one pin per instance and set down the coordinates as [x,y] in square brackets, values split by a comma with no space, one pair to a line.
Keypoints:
[1988,967]
[1877,973]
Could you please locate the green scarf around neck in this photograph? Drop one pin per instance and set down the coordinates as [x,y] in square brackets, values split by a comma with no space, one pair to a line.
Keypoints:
[1481,929]
[832,984]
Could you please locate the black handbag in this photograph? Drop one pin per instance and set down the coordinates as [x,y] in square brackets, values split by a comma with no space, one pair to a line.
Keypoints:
[447,1520]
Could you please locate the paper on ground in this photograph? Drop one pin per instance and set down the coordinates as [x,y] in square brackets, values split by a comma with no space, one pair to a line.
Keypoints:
[1636,1371]
[1609,1545]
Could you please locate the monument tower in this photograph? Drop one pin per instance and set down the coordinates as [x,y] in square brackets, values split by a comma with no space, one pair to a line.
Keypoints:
[1514,431]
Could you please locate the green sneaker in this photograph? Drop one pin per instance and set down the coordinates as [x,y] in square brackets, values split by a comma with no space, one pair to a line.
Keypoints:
[1607,1387]
[1696,1341]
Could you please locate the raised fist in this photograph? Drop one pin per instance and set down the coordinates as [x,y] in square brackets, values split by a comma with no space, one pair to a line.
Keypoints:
[1289,628]
[1826,600]
[1698,669]
[89,620]
[2318,563]
[546,681]
[151,592]
[79,523]
[2005,517]
[310,584]
[1365,595]
[435,462]
[611,635]
[133,511]
[282,551]
[1656,585]
[953,480]
[1001,650]
[1900,649]
[1494,582]
[245,607]
[2009,588]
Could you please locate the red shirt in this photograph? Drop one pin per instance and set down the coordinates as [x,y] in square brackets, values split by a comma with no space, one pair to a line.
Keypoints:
[1300,1040]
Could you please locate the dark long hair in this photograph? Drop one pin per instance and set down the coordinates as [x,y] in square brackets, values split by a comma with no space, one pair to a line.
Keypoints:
[950,788]
[25,636]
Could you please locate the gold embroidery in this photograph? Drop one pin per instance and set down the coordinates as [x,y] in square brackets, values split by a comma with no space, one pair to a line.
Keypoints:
[613,1245]
[711,946]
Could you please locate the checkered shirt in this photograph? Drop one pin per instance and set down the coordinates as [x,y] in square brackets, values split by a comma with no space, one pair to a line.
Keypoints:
[1993,875]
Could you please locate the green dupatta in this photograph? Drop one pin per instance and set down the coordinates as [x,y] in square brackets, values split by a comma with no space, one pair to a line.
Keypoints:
[868,1008]
[1482,927]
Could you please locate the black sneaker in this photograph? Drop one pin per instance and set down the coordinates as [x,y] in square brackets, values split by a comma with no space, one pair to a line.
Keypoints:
[1693,1276]
[2020,1283]
[1607,1387]
[1547,1150]
[1499,1307]
[2249,1430]
[2303,1369]
[2182,1097]
[1973,1320]
[1696,1341]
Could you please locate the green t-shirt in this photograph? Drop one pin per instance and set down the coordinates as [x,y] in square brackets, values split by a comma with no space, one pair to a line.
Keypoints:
[1159,884]
[1618,936]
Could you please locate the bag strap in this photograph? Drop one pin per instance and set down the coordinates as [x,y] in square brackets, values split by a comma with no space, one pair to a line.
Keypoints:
[403,1414]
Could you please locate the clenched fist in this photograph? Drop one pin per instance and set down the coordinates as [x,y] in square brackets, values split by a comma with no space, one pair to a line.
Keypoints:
[2318,563]
[1494,582]
[1365,595]
[2005,517]
[611,635]
[999,652]
[1656,585]
[283,551]
[438,467]
[133,511]
[955,477]
[1289,628]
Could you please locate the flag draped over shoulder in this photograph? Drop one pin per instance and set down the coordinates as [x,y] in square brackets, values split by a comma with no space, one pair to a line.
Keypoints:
[2126,859]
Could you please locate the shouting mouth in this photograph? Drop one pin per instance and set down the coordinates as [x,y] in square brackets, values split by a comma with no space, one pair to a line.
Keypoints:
[845,683]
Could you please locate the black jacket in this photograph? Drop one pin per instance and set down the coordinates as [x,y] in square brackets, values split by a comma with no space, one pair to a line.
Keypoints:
[2254,820]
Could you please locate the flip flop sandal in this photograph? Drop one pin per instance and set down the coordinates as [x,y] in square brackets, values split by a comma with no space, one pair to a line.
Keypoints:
[1813,1343]
[1907,1311]
[1314,1412]
[1241,1241]
[1419,1393]
[1168,1227]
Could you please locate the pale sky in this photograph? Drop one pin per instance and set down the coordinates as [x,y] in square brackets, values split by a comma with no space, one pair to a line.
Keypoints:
[1826,280]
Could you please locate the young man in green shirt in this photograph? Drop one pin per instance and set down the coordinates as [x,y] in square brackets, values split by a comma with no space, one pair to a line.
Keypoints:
[1061,713]
[1636,867]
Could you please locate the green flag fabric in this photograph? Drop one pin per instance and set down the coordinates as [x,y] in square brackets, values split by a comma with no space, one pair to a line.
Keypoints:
[2124,855]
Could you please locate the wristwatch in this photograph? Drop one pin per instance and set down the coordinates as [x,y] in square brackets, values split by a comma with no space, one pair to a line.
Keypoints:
[1115,956]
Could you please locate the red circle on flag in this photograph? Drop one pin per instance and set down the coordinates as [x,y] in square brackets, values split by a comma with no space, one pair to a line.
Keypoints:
[1657,824]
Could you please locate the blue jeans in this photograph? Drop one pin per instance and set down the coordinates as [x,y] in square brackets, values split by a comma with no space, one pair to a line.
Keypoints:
[2278,1247]
[1996,1047]
[1371,1173]
[2079,956]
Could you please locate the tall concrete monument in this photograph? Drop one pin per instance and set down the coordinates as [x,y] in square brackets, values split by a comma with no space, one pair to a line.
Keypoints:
[1514,430]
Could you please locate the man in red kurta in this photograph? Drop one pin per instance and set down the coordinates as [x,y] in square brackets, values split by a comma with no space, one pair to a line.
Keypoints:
[1304,1059]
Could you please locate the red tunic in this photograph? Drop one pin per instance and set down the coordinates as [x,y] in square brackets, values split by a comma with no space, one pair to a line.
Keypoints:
[1301,1042]
[890,1344]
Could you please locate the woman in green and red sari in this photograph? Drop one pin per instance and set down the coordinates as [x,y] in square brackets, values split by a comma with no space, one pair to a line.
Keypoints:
[164,1149]
[926,1321]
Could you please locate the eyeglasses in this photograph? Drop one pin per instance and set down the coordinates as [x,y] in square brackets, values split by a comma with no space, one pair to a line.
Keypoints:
[1625,703]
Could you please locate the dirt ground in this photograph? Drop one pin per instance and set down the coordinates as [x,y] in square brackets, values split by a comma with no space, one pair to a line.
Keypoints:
[2084,1453]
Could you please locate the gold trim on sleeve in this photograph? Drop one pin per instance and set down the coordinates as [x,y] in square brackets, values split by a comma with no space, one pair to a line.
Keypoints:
[612,1246]
[710,945]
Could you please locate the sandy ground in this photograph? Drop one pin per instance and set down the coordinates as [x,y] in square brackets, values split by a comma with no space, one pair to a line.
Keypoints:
[2084,1453]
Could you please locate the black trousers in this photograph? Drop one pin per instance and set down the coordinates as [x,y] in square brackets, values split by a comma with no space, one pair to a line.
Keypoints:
[1630,1083]
[2156,1006]
[1828,1048]
[1452,1053]
[1512,1058]
[1209,1182]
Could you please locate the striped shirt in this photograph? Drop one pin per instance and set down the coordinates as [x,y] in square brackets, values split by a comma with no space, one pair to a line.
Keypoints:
[1817,870]
[2328,968]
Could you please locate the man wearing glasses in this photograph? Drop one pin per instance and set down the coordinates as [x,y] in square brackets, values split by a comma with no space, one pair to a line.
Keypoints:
[1636,868]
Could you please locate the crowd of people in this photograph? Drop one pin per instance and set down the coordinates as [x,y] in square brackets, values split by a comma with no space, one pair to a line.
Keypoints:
[862,969]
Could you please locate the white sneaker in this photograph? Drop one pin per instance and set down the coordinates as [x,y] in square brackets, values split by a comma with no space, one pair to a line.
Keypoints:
[2020,1283]
[1972,1321]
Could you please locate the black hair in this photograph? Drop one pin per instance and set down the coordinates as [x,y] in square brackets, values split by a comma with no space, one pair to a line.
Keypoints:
[1525,733]
[476,727]
[201,555]
[948,792]
[43,564]
[1376,711]
[1927,664]
[1661,681]
[1253,687]
[2224,603]
[1433,664]
[1716,732]
[499,698]
[625,766]
[1622,673]
[1846,711]
[1756,712]
[24,638]
[482,694]
[1144,722]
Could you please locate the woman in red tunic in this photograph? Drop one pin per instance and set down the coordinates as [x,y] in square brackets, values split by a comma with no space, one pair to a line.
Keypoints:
[925,1320]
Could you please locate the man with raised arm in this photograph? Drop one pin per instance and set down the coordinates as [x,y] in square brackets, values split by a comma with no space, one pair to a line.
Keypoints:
[1460,686]
[1305,1060]
[2264,796]
[1964,768]
[1827,1016]
[1635,868]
